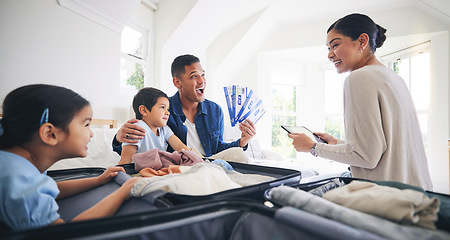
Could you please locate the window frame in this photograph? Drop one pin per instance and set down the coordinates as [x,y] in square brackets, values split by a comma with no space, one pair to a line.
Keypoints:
[340,113]
[300,86]
[409,53]
[144,60]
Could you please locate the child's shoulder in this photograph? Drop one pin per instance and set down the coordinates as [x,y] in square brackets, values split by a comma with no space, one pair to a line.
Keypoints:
[165,131]
[11,161]
[142,124]
[30,194]
[23,178]
[15,166]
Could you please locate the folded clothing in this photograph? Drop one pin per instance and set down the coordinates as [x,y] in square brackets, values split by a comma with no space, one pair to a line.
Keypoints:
[223,163]
[288,196]
[200,179]
[157,159]
[403,206]
[150,172]
[248,179]
[320,191]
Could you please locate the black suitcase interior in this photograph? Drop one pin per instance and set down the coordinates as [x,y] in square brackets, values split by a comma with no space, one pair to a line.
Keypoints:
[72,206]
[214,219]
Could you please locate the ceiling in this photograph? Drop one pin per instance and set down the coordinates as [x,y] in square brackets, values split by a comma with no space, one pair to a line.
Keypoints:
[208,19]
[223,15]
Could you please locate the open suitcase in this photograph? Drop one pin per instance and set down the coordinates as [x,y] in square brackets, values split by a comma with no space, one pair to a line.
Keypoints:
[354,218]
[161,200]
[72,206]
[213,219]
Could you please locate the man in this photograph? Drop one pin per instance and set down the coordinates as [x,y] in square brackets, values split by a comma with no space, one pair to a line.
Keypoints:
[196,121]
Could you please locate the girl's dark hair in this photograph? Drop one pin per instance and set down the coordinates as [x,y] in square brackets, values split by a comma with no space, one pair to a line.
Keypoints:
[148,97]
[24,107]
[355,24]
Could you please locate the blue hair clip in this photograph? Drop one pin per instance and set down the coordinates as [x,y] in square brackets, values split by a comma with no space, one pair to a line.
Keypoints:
[44,118]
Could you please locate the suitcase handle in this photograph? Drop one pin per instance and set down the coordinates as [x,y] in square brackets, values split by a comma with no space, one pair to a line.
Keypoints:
[121,178]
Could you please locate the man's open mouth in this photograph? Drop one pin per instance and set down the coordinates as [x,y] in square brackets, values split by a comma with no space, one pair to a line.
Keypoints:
[200,90]
[337,62]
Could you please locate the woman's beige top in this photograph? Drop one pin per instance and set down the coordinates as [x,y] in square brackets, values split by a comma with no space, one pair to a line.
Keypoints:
[383,138]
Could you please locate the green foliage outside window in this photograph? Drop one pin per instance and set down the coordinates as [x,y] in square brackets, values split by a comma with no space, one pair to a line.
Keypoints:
[284,102]
[137,78]
[334,128]
[281,143]
[277,131]
[396,66]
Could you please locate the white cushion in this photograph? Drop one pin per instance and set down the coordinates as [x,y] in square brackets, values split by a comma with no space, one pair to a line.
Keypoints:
[100,153]
[254,150]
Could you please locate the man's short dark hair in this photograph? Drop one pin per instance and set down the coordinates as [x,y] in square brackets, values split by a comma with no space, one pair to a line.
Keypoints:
[180,62]
[148,97]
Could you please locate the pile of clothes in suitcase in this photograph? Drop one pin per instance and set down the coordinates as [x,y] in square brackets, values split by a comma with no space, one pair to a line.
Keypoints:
[184,172]
[389,209]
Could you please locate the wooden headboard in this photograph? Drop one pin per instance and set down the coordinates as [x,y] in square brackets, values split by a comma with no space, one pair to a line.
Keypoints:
[109,122]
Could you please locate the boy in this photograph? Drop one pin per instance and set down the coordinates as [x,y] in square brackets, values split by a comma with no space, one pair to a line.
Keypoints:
[151,107]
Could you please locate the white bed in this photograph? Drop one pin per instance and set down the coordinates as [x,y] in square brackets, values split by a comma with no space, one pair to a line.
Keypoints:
[100,153]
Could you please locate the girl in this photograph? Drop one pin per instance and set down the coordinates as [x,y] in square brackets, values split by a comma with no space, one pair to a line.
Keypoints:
[43,124]
[383,138]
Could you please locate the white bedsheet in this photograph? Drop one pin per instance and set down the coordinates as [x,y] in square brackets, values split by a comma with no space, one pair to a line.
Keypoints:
[100,154]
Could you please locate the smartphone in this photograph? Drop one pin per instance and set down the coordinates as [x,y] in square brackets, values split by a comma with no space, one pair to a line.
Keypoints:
[301,129]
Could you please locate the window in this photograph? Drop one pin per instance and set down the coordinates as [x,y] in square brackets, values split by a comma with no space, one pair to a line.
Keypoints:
[286,87]
[333,103]
[133,61]
[414,68]
[296,101]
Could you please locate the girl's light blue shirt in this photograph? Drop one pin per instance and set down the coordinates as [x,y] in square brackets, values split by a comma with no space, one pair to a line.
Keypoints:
[27,196]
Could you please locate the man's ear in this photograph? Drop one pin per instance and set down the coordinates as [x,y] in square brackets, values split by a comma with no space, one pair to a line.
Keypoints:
[48,134]
[176,82]
[363,40]
[143,110]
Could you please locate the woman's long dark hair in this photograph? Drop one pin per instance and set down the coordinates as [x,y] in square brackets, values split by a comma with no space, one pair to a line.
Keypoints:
[24,107]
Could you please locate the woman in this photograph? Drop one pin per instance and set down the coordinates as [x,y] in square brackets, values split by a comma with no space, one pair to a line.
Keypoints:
[383,139]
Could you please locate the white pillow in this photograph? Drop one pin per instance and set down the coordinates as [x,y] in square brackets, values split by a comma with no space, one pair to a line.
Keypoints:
[100,153]
[254,150]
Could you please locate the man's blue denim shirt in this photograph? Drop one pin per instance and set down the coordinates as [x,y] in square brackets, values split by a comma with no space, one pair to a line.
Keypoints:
[209,123]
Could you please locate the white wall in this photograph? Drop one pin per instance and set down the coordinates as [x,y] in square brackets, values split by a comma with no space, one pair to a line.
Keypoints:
[169,16]
[189,26]
[43,42]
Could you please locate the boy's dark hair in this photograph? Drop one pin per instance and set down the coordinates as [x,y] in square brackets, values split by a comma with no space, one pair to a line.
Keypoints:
[24,107]
[353,25]
[180,62]
[148,97]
